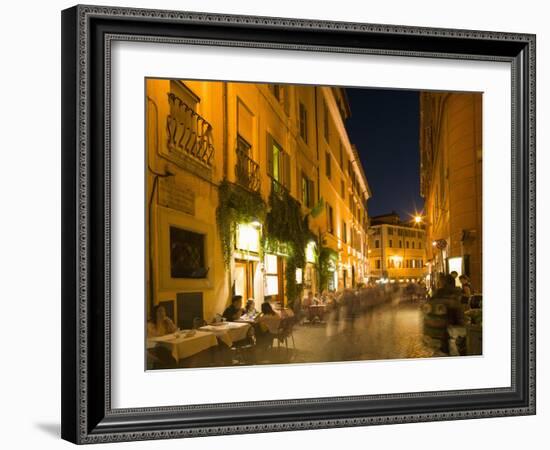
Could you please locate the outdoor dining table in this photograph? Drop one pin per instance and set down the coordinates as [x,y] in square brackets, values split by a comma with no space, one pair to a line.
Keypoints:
[228,332]
[316,311]
[184,344]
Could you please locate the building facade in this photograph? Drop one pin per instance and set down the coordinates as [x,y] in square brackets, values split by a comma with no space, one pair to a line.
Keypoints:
[232,169]
[451,182]
[397,250]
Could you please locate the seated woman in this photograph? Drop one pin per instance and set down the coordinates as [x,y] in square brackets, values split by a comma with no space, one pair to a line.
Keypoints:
[250,308]
[159,357]
[159,324]
[267,326]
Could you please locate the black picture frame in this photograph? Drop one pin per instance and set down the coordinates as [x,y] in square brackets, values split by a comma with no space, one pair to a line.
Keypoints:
[87,416]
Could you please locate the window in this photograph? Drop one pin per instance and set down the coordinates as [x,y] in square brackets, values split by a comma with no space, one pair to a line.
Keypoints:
[406,244]
[307,192]
[390,245]
[243,146]
[342,189]
[344,232]
[271,275]
[276,91]
[390,230]
[187,258]
[341,156]
[400,243]
[376,243]
[325,122]
[330,223]
[378,264]
[328,167]
[412,244]
[303,122]
[278,162]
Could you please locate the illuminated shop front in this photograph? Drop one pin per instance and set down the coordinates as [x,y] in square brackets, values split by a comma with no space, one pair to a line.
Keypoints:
[247,274]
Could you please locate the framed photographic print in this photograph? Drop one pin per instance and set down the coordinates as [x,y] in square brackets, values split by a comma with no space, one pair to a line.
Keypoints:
[282,224]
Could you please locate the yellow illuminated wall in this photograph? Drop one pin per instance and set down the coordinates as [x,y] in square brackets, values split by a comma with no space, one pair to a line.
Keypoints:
[451,179]
[304,123]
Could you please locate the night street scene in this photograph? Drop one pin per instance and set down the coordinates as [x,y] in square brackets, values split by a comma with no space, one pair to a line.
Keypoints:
[306,224]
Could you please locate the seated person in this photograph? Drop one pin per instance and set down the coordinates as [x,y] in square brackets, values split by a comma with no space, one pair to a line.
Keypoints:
[449,295]
[466,288]
[234,311]
[268,325]
[309,300]
[250,308]
[159,324]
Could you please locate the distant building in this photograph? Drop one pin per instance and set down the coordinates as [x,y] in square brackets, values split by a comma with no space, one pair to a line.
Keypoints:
[397,250]
[451,182]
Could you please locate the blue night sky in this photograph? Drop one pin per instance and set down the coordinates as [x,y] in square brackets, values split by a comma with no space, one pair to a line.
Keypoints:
[384,127]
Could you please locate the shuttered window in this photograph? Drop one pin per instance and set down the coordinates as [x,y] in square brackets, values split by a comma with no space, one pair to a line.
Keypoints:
[307,191]
[278,162]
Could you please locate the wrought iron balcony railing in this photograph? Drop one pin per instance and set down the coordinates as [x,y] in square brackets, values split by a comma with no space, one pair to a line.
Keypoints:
[247,171]
[278,188]
[189,134]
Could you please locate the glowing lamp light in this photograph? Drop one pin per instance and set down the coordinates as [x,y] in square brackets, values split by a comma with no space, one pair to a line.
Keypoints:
[417,219]
[310,252]
[299,276]
[248,237]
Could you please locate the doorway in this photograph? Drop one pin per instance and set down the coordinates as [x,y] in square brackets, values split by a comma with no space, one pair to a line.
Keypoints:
[244,279]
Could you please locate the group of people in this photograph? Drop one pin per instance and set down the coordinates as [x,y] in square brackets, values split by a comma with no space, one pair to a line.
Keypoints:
[266,322]
[465,285]
[457,299]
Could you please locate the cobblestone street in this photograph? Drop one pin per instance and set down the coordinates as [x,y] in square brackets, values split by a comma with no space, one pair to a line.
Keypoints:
[389,331]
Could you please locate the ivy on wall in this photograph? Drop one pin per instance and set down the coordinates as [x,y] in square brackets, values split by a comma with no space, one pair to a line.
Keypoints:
[286,230]
[326,260]
[286,225]
[236,205]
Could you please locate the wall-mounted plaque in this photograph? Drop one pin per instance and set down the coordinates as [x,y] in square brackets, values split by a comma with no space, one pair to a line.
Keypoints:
[174,196]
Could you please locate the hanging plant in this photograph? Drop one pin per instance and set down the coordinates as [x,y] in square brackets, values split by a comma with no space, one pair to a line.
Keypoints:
[236,205]
[318,209]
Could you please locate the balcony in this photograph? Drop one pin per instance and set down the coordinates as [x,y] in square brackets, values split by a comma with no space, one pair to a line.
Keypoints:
[189,136]
[247,171]
[279,189]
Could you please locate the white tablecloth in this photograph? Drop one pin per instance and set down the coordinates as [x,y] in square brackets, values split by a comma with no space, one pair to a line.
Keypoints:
[228,332]
[183,347]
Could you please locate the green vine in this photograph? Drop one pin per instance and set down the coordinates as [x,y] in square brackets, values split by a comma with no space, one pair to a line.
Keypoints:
[287,227]
[327,258]
[236,205]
